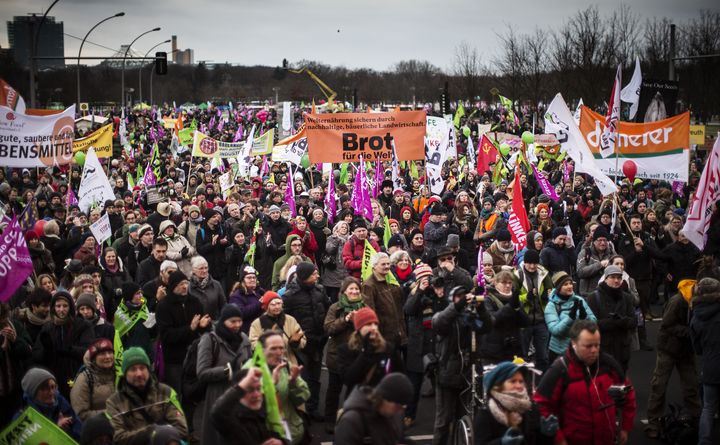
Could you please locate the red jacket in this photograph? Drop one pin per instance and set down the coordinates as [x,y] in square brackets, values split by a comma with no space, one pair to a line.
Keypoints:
[581,401]
[352,255]
[310,246]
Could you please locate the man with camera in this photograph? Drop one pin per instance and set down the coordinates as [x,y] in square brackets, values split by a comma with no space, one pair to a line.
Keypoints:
[454,327]
[586,389]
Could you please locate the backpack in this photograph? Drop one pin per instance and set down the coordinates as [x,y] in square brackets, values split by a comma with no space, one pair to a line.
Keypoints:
[90,380]
[678,428]
[193,389]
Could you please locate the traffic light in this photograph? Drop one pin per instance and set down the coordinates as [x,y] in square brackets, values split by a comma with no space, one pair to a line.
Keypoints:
[161,63]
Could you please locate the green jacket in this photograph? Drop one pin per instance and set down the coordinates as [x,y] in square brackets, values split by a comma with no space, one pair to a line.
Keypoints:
[125,410]
[291,397]
[545,286]
[280,262]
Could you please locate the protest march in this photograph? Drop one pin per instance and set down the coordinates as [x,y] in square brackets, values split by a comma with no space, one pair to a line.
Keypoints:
[465,271]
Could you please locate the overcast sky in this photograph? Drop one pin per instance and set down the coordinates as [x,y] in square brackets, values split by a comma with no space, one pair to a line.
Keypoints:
[352,33]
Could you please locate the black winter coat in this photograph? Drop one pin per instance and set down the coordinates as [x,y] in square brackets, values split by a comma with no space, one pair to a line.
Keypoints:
[556,259]
[236,422]
[148,270]
[639,265]
[174,315]
[214,254]
[361,367]
[360,423]
[681,262]
[674,335]
[488,431]
[454,330]
[615,313]
[279,231]
[308,305]
[705,335]
[504,342]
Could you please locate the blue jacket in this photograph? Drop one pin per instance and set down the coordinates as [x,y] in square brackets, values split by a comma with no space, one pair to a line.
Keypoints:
[557,318]
[52,412]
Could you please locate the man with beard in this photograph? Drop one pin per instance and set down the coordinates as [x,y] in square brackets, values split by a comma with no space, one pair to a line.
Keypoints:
[278,229]
[141,402]
[293,246]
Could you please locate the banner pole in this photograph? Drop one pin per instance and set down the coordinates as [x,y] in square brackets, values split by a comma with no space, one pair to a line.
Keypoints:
[187,184]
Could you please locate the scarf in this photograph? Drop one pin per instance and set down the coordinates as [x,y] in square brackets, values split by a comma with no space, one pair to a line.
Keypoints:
[508,407]
[403,274]
[234,339]
[59,321]
[201,283]
[349,306]
[34,319]
[615,294]
[485,214]
[268,322]
[112,269]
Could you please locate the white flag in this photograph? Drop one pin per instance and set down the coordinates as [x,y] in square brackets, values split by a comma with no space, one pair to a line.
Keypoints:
[708,192]
[577,112]
[559,121]
[101,229]
[95,188]
[244,158]
[631,93]
[612,119]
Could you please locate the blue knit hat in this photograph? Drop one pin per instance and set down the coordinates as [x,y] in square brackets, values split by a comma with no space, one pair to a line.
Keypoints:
[501,372]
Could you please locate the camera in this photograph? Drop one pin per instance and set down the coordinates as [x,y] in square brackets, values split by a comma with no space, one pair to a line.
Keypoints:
[618,393]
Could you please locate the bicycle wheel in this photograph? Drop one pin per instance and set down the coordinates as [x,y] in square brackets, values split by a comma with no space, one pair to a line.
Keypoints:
[463,434]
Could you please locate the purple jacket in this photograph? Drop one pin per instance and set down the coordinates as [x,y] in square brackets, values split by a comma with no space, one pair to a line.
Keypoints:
[249,304]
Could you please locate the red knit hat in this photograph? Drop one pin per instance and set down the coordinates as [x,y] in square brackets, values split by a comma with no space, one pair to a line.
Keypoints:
[267,298]
[98,346]
[364,316]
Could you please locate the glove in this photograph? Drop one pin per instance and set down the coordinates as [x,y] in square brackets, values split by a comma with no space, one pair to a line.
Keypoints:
[574,310]
[549,425]
[582,313]
[460,304]
[512,437]
[515,300]
[327,231]
[184,252]
[367,346]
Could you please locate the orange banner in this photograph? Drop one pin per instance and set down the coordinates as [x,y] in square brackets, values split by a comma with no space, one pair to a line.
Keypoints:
[343,137]
[659,138]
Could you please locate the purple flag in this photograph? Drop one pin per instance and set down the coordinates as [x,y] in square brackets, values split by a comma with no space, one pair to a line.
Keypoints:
[15,262]
[264,168]
[330,203]
[239,134]
[545,185]
[212,122]
[677,188]
[71,199]
[290,192]
[149,177]
[361,195]
[221,125]
[566,172]
[377,179]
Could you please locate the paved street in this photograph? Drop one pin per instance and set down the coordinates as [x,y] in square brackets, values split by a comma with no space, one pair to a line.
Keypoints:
[641,368]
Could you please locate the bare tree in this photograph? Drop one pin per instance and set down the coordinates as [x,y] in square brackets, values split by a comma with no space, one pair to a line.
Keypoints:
[468,67]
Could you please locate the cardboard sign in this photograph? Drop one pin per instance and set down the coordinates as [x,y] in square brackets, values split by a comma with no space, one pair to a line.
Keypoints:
[343,137]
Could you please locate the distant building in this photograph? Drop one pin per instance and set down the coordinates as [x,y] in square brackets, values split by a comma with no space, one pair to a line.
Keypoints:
[51,41]
[182,57]
[116,63]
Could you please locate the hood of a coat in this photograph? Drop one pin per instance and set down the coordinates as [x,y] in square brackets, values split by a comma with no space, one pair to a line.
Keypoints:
[289,241]
[359,399]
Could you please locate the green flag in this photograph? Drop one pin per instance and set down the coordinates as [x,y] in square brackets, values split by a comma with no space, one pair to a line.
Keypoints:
[139,173]
[413,170]
[250,255]
[272,420]
[118,351]
[387,234]
[130,181]
[508,104]
[344,173]
[366,269]
[31,427]
[458,114]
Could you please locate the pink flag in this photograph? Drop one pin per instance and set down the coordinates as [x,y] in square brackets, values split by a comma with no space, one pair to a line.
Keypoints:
[545,185]
[330,203]
[17,264]
[566,172]
[361,195]
[677,188]
[290,192]
[612,119]
[71,199]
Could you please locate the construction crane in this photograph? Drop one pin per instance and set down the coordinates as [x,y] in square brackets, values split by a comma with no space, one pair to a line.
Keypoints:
[328,92]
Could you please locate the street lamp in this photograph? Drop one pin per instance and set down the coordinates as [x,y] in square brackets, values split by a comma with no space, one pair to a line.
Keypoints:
[119,14]
[122,73]
[141,68]
[35,36]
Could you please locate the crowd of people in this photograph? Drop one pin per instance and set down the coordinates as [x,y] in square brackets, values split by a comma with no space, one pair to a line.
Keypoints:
[154,337]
